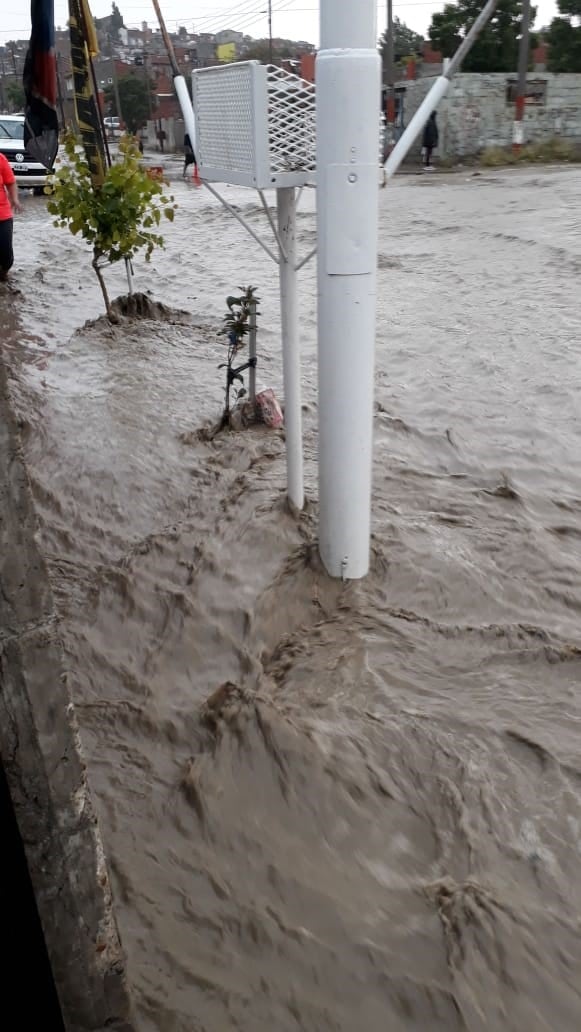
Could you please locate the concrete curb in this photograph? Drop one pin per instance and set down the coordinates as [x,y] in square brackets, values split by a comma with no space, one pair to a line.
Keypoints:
[45,770]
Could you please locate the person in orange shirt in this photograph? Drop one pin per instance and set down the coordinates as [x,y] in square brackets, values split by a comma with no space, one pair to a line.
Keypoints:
[8,203]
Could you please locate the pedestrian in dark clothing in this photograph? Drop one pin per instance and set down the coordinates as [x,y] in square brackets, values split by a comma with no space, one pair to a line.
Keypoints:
[189,156]
[430,139]
[9,202]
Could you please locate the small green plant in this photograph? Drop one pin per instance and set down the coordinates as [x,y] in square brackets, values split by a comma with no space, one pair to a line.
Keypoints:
[117,219]
[496,157]
[549,151]
[542,152]
[15,95]
[236,329]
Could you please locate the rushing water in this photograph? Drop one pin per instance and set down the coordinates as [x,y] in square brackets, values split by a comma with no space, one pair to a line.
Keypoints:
[328,807]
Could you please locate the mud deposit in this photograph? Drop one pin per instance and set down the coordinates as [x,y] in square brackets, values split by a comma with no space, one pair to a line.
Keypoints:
[327,807]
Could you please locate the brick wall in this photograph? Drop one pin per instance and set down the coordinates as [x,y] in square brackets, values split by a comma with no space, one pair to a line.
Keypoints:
[475,113]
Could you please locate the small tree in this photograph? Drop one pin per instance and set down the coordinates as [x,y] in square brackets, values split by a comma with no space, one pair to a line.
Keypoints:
[405,42]
[117,219]
[497,46]
[259,50]
[111,23]
[136,98]
[564,38]
[236,328]
[15,96]
[116,19]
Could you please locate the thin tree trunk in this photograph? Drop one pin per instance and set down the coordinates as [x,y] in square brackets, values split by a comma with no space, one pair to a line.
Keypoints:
[110,313]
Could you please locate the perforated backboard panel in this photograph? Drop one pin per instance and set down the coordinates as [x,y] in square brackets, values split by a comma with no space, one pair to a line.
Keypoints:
[225,119]
[255,125]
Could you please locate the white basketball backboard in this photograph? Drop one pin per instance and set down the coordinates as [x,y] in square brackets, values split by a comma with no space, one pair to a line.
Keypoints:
[255,126]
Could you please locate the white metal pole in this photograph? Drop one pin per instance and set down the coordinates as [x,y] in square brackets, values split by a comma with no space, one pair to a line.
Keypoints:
[291,358]
[348,95]
[186,106]
[252,354]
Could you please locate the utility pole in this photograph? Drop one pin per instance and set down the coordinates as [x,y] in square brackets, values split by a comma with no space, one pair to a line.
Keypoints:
[521,89]
[390,74]
[270,31]
[148,83]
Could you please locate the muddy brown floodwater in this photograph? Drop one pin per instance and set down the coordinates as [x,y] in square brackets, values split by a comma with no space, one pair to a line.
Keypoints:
[327,807]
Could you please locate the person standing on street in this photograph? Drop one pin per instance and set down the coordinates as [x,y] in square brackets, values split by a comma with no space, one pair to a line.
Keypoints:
[430,140]
[189,156]
[9,203]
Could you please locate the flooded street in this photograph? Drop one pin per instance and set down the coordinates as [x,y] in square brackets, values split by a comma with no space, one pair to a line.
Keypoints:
[326,807]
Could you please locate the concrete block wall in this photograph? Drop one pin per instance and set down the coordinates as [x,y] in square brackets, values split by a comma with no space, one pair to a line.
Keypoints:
[174,135]
[475,114]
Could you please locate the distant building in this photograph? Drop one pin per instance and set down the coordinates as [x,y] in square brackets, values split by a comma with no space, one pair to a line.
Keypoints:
[229,36]
[206,49]
[141,52]
[226,52]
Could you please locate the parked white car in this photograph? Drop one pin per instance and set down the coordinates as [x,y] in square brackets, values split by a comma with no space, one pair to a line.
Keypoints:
[27,171]
[112,125]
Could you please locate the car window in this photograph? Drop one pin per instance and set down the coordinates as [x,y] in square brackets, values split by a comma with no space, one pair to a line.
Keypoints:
[12,130]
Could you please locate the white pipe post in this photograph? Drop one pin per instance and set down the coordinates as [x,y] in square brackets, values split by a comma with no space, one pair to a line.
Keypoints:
[291,358]
[253,330]
[186,106]
[348,97]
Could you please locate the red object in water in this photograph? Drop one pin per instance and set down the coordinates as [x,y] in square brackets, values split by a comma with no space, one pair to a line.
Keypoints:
[196,176]
[390,109]
[268,408]
[155,172]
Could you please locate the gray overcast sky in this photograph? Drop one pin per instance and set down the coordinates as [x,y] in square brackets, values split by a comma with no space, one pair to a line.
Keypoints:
[293,19]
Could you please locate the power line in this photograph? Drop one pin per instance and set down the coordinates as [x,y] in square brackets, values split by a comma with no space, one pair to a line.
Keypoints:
[251,16]
[246,21]
[229,12]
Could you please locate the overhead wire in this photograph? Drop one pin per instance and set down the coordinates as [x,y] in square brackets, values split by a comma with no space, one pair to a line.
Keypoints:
[238,24]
